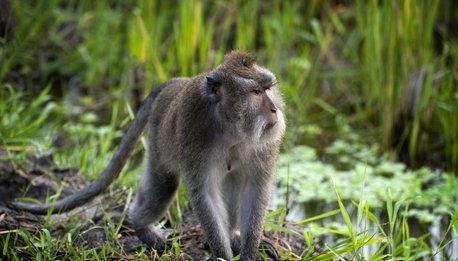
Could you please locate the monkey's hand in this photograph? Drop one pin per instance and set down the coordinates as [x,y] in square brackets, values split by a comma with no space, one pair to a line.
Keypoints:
[153,238]
[265,246]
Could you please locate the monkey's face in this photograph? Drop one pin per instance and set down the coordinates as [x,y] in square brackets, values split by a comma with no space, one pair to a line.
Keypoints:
[248,98]
[262,116]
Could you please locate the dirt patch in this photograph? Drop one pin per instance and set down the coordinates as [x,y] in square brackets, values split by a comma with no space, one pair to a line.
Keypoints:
[36,178]
[39,177]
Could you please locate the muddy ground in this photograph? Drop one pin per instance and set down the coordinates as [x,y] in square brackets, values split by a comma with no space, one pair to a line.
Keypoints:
[39,177]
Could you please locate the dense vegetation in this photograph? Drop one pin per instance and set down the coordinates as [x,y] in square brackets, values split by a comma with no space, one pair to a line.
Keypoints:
[370,159]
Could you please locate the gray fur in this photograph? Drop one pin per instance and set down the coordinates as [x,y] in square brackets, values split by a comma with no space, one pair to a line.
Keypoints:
[220,132]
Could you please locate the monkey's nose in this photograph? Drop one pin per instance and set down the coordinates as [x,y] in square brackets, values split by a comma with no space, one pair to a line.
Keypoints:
[273,109]
[273,118]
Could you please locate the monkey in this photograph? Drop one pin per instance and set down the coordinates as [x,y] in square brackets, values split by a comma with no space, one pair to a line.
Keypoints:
[218,132]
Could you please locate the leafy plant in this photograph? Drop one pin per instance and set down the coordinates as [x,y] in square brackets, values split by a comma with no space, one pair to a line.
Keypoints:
[350,164]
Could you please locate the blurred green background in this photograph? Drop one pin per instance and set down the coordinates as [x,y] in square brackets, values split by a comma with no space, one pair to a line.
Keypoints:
[387,68]
[371,87]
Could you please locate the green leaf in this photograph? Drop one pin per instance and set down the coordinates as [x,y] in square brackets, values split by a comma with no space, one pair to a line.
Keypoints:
[321,216]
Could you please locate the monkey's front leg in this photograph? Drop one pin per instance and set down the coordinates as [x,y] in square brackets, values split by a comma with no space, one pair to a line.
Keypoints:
[205,196]
[255,198]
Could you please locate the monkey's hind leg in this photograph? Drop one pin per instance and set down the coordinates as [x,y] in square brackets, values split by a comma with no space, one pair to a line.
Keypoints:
[157,191]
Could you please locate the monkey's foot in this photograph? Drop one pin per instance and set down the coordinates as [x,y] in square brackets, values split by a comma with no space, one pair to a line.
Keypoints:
[267,247]
[153,239]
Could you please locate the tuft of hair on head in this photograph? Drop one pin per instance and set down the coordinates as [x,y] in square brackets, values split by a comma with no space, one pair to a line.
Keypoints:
[239,58]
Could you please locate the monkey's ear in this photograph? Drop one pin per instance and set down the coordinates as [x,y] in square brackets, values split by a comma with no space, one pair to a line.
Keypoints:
[214,88]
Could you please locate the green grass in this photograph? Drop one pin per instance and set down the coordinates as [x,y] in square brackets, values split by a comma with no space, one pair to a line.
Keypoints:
[391,238]
[367,83]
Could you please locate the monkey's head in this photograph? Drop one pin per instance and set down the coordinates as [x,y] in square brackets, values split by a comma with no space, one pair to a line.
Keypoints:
[247,98]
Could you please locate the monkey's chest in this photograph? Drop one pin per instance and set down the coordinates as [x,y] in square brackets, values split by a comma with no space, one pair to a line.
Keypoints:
[233,161]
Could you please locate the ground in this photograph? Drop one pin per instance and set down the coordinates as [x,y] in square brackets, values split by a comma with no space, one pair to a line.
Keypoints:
[39,177]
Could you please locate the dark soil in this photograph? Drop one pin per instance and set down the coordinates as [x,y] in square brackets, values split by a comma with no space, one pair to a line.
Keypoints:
[40,177]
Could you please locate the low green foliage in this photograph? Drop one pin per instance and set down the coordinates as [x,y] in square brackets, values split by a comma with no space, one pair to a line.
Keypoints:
[21,130]
[357,170]
[387,195]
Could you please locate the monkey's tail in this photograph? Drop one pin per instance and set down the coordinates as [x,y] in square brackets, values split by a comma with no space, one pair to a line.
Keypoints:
[111,172]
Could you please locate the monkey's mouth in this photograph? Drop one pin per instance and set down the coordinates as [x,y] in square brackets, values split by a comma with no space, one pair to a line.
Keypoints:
[270,125]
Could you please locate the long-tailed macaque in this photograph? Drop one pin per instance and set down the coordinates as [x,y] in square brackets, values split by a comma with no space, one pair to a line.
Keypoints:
[220,132]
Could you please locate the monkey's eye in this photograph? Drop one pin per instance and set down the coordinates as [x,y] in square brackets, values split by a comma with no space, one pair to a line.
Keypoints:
[257,92]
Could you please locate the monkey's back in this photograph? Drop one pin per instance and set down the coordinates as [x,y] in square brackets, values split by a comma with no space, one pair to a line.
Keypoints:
[170,122]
